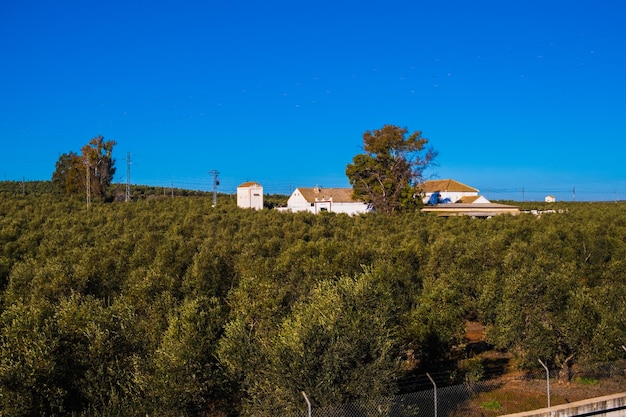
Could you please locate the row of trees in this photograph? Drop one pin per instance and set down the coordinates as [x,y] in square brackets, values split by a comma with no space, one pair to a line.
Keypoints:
[387,175]
[174,307]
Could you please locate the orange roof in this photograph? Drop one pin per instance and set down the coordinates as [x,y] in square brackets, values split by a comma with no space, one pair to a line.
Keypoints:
[469,199]
[445,185]
[249,184]
[338,195]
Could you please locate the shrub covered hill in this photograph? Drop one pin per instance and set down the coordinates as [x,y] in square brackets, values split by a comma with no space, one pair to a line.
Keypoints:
[169,306]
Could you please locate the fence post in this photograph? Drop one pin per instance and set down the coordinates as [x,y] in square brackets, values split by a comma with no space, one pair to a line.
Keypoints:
[435,391]
[547,379]
[307,402]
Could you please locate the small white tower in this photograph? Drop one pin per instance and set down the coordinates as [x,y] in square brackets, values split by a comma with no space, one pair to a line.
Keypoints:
[250,195]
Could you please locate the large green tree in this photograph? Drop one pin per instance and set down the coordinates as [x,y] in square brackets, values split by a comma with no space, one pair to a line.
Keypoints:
[386,175]
[92,171]
[98,157]
[69,176]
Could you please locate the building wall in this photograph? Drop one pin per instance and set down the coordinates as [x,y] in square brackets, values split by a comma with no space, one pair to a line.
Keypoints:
[350,208]
[481,200]
[250,197]
[453,196]
[297,202]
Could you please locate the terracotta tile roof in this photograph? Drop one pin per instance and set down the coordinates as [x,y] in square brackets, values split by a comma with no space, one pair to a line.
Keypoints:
[468,199]
[338,195]
[249,184]
[448,185]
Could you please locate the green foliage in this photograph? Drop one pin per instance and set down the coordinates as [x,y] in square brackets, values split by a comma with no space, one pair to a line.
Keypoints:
[387,174]
[68,357]
[187,375]
[91,172]
[586,381]
[473,369]
[337,345]
[492,405]
[557,267]
[171,306]
[27,368]
[97,156]
[69,175]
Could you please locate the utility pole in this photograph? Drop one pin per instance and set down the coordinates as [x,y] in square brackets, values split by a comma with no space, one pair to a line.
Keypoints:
[216,182]
[127,198]
[574,193]
[88,181]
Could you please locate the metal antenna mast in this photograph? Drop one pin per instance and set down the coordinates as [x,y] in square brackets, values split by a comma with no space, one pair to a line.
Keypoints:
[216,182]
[127,198]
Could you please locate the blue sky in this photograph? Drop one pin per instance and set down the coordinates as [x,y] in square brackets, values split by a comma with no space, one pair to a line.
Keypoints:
[521,98]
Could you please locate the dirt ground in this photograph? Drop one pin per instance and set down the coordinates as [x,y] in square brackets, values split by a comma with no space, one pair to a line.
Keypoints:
[513,393]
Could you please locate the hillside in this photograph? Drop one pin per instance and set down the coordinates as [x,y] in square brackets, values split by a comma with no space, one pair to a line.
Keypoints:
[169,306]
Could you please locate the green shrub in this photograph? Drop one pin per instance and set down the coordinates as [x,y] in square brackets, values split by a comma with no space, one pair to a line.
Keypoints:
[586,381]
[491,405]
[473,369]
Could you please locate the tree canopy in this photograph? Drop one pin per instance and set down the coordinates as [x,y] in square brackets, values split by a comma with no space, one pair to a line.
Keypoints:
[387,174]
[170,306]
[69,176]
[91,172]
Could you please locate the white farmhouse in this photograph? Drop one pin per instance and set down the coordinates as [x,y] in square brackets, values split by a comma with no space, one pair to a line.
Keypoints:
[451,198]
[450,191]
[250,195]
[333,200]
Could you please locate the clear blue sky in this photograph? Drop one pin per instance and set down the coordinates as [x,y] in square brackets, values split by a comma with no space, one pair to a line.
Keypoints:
[521,98]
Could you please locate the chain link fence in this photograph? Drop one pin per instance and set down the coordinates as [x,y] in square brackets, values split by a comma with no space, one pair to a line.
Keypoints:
[459,400]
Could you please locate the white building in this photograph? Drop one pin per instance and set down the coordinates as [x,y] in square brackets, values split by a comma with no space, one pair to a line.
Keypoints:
[250,195]
[450,191]
[452,198]
[333,200]
[550,199]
